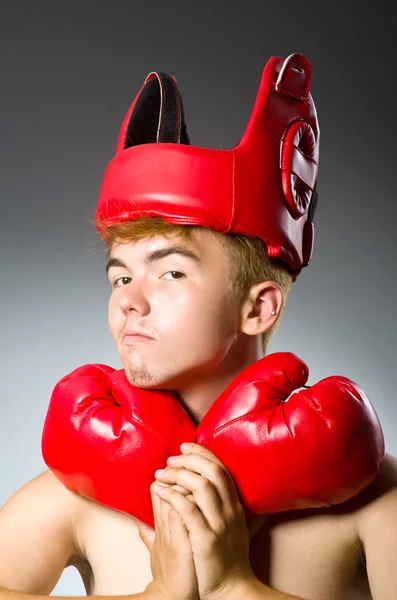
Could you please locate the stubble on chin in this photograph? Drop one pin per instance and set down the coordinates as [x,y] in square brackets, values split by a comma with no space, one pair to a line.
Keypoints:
[141,377]
[138,375]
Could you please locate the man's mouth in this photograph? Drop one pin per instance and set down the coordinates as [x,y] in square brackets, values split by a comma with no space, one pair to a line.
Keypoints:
[132,336]
[132,339]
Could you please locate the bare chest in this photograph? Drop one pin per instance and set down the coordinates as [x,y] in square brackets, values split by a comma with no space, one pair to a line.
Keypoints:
[313,557]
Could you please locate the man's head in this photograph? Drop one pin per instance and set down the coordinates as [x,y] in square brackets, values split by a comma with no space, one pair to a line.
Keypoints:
[205,311]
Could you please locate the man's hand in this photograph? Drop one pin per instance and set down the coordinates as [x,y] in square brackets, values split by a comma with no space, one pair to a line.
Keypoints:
[214,518]
[171,558]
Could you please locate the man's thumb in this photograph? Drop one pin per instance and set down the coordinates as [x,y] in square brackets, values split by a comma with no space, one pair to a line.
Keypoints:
[147,535]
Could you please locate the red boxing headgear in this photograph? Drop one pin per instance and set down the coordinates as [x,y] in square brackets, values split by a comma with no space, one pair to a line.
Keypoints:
[264,187]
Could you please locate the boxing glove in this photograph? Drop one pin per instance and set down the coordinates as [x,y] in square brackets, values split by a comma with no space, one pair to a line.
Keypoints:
[104,438]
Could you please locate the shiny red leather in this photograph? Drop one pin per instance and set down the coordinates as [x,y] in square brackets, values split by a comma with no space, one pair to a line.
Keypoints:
[103,438]
[262,188]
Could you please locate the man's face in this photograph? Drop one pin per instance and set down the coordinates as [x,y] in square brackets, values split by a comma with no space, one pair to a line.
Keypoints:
[181,302]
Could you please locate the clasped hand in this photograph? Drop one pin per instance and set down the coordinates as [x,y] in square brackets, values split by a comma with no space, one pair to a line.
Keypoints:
[200,547]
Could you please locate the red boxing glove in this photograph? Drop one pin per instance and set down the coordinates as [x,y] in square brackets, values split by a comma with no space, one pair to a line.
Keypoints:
[104,438]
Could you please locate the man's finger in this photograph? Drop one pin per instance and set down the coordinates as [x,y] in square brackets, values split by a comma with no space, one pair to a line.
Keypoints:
[185,492]
[203,452]
[147,534]
[192,517]
[179,535]
[216,472]
[156,508]
[165,526]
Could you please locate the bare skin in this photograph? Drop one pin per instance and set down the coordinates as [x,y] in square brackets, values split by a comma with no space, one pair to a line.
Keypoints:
[315,555]
[310,554]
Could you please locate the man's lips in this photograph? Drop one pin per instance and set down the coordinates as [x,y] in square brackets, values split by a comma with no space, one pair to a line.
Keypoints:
[131,336]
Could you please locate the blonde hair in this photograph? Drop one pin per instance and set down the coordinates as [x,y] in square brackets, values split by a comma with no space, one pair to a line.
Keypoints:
[249,262]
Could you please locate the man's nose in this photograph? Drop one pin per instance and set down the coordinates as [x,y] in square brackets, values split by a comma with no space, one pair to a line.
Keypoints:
[133,297]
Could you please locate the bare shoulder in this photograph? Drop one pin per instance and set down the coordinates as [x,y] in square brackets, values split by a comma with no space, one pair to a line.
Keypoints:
[377,521]
[37,530]
[386,481]
[40,493]
[388,470]
[379,500]
[75,509]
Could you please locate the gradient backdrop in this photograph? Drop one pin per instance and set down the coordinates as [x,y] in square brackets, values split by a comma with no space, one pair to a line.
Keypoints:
[69,73]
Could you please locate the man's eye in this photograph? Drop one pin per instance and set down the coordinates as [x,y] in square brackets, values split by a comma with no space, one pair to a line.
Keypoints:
[175,272]
[121,281]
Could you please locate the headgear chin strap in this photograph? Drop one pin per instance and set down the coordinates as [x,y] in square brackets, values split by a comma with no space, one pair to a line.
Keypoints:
[264,187]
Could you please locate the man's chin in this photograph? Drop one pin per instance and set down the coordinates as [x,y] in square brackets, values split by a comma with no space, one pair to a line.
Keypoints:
[144,379]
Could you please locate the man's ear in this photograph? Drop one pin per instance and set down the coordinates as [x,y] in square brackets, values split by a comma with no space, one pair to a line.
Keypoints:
[261,308]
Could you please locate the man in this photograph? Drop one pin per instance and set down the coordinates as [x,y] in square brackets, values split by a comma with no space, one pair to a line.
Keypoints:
[180,290]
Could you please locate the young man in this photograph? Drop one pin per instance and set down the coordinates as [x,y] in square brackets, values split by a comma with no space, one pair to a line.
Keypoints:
[185,318]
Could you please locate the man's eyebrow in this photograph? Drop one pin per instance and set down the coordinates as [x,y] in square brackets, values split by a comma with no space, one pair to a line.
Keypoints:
[156,255]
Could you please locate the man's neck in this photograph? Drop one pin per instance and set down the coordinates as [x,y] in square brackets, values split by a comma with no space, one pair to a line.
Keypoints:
[199,395]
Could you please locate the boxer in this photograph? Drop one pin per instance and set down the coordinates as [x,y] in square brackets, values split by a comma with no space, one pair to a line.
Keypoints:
[192,335]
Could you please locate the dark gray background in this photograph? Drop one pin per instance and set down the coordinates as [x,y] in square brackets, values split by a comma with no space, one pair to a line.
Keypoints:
[69,73]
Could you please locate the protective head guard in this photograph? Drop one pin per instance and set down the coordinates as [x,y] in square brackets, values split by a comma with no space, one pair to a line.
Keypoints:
[264,187]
